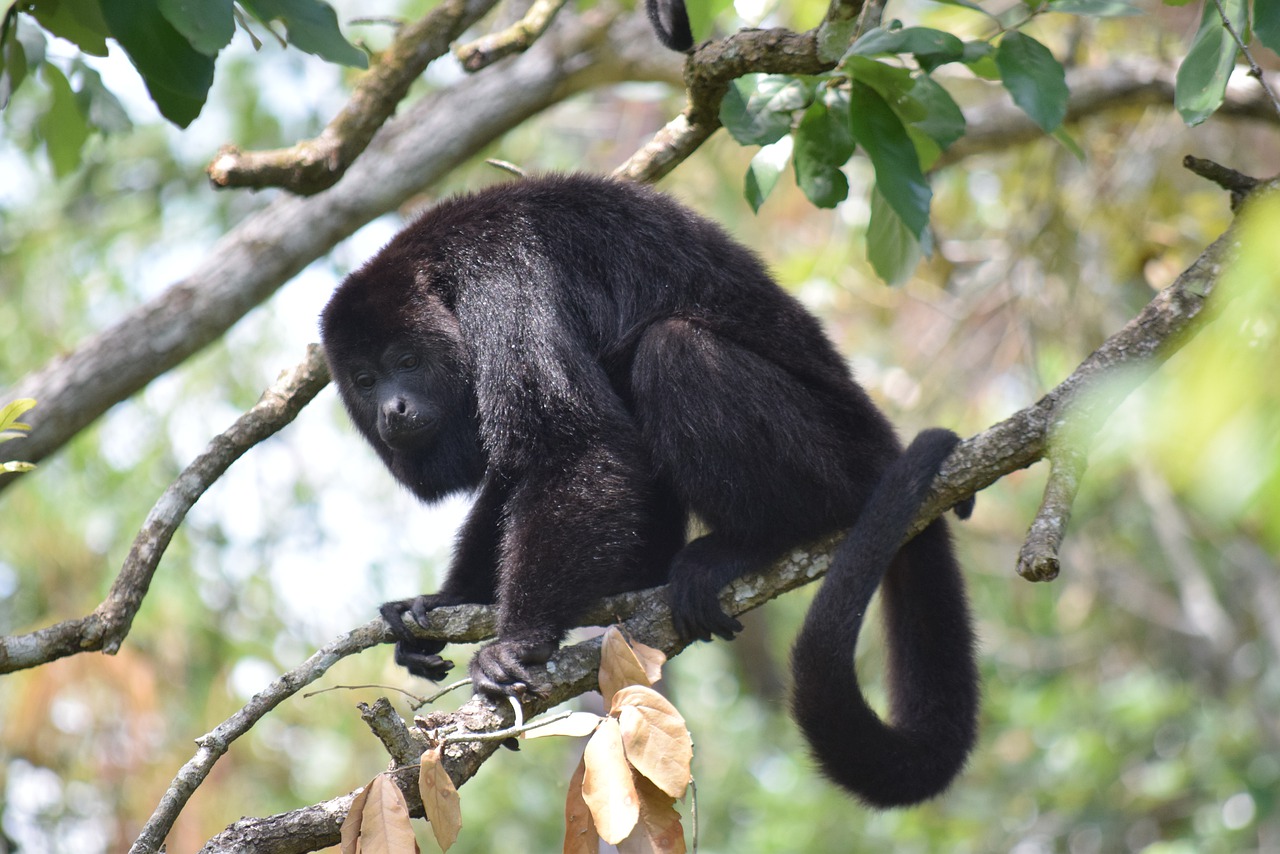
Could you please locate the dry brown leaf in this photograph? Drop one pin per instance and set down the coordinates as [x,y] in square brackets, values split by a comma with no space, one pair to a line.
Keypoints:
[650,659]
[619,666]
[655,737]
[351,824]
[658,830]
[580,836]
[439,799]
[384,825]
[577,724]
[608,786]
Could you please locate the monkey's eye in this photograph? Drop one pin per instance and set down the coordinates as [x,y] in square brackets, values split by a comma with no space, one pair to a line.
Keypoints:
[408,361]
[364,381]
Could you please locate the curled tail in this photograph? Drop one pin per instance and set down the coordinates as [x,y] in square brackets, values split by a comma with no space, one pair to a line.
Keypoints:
[670,20]
[932,678]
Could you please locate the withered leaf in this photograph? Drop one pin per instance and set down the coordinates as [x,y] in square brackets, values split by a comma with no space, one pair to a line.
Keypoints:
[580,836]
[655,738]
[439,799]
[658,831]
[608,785]
[650,659]
[619,666]
[351,824]
[384,824]
[577,724]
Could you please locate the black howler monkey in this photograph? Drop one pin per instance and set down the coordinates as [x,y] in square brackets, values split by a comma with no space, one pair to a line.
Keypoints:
[598,362]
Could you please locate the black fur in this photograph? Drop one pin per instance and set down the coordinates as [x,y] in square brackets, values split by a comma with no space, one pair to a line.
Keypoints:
[670,20]
[601,362]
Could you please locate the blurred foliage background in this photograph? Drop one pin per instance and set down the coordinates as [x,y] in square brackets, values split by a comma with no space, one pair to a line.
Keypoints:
[1129,706]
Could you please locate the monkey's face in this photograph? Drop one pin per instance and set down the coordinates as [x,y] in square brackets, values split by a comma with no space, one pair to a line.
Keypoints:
[406,382]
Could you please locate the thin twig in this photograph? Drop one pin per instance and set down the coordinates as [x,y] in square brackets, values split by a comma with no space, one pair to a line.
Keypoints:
[1255,70]
[215,743]
[105,629]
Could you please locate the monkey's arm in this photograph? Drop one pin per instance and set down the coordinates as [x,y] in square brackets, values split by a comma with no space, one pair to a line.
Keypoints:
[471,580]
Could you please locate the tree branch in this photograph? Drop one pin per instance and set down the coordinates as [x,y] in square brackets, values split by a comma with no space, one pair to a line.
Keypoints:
[489,48]
[998,123]
[107,625]
[312,165]
[707,73]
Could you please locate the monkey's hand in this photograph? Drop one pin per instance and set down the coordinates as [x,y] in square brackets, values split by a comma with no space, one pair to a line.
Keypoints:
[502,667]
[419,656]
[696,611]
[699,572]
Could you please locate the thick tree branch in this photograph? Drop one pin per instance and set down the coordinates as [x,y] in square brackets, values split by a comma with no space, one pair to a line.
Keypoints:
[316,164]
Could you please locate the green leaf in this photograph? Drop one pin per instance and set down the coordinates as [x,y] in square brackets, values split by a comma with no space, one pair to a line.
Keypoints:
[1201,83]
[757,108]
[207,25]
[930,47]
[1266,23]
[898,176]
[101,107]
[15,467]
[943,121]
[78,21]
[63,126]
[312,26]
[765,169]
[13,66]
[12,411]
[823,144]
[1094,8]
[1034,78]
[931,117]
[1069,143]
[893,250]
[980,57]
[177,75]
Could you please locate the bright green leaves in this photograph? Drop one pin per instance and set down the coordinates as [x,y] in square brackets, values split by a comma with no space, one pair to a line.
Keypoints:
[765,170]
[173,44]
[312,27]
[898,176]
[1266,24]
[62,126]
[757,108]
[1034,78]
[930,47]
[78,21]
[1202,77]
[824,143]
[207,25]
[177,75]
